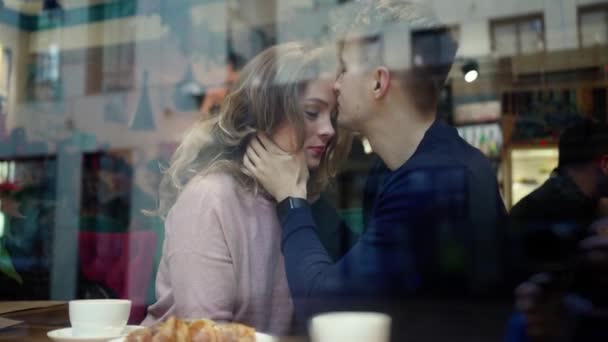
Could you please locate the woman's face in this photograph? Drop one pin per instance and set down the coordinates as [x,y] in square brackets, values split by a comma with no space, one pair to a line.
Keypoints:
[317,104]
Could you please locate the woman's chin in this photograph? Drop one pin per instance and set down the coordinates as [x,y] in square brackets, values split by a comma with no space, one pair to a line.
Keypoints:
[313,164]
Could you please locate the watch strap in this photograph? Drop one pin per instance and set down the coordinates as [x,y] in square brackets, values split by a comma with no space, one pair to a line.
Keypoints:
[289,204]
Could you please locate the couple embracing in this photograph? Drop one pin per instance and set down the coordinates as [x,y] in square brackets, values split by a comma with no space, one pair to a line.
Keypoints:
[250,239]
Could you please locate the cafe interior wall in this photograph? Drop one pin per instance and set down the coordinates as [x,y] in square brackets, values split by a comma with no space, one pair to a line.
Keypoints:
[560,20]
[561,49]
[78,117]
[16,42]
[75,123]
[156,53]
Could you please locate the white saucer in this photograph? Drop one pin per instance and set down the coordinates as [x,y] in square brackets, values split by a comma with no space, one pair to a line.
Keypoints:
[259,337]
[65,335]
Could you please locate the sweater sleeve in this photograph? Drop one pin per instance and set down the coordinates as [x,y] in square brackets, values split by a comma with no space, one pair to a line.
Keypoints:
[380,262]
[199,261]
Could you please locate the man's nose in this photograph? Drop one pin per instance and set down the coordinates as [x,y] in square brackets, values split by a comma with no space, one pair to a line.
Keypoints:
[337,84]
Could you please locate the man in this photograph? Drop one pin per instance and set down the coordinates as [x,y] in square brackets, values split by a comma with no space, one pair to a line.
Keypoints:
[553,219]
[432,226]
[563,234]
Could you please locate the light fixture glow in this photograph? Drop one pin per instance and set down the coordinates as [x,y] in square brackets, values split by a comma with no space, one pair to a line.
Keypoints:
[471,76]
[470,69]
[367,147]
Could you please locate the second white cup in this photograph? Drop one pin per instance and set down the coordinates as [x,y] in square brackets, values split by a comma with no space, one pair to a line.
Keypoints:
[350,327]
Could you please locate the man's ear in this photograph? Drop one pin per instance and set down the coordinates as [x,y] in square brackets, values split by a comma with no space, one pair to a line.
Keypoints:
[382,82]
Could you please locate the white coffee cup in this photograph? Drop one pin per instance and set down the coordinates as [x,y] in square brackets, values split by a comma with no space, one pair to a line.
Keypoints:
[99,317]
[351,327]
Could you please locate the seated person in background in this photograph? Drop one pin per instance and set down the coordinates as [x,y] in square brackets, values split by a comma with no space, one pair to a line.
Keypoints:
[221,255]
[572,306]
[550,222]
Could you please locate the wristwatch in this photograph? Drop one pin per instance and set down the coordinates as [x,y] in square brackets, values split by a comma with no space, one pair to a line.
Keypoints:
[288,204]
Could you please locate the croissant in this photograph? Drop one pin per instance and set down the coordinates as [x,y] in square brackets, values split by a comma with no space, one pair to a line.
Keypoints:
[176,330]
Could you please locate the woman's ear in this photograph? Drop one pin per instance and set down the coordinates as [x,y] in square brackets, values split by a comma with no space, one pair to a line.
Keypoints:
[382,79]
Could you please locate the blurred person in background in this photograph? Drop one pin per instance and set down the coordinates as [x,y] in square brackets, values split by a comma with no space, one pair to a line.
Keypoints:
[571,306]
[562,227]
[550,222]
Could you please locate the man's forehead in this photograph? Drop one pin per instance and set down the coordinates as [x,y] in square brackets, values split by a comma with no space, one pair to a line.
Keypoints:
[356,43]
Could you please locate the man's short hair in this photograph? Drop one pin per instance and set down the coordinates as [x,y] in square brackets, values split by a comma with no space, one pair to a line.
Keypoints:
[583,143]
[383,31]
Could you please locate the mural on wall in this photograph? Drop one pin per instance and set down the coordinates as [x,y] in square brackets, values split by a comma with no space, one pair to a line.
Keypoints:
[114,109]
[44,77]
[17,144]
[5,78]
[187,92]
[143,119]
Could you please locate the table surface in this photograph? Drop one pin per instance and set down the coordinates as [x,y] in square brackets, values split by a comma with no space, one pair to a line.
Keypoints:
[37,322]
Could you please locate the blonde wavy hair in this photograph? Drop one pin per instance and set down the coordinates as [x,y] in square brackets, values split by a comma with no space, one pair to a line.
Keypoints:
[266,93]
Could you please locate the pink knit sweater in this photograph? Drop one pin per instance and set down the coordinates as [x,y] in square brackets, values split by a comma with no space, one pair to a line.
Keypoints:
[222,259]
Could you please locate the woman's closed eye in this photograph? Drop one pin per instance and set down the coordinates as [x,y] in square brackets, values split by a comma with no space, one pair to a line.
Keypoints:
[312,115]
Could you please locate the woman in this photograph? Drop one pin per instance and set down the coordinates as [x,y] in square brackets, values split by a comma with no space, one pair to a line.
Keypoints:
[221,255]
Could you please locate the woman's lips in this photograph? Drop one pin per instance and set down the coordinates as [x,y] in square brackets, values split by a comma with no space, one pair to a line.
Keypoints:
[317,151]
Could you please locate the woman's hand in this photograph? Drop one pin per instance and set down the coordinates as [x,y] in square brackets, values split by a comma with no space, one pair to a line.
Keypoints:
[280,173]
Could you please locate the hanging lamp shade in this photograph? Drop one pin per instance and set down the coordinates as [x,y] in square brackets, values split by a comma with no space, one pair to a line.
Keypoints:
[143,120]
[187,92]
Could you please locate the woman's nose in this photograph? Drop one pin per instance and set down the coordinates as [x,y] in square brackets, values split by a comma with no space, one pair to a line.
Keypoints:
[326,129]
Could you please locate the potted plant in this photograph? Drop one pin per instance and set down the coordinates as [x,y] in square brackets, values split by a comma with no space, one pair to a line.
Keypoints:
[9,207]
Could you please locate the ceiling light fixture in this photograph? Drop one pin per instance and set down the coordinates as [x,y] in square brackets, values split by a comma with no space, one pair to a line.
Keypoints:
[470,69]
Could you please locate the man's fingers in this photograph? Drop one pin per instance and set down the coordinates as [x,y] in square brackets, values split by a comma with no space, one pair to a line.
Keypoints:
[252,156]
[257,147]
[268,144]
[248,164]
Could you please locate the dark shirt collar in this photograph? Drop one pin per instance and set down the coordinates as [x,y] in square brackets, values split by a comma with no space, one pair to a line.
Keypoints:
[570,189]
[438,133]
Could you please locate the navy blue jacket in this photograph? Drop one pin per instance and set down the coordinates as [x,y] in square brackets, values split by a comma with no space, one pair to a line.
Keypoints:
[433,227]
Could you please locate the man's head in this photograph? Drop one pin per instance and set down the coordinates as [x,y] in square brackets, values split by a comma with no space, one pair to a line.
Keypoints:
[584,148]
[379,65]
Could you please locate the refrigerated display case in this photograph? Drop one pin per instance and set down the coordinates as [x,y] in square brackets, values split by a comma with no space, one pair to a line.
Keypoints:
[527,168]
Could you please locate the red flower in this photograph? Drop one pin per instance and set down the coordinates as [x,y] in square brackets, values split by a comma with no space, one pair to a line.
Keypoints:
[8,187]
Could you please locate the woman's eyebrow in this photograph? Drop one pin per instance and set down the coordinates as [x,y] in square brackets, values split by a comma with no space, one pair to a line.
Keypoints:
[316,99]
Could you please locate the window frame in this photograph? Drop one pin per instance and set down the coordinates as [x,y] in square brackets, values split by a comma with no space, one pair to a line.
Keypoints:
[453,30]
[585,9]
[98,74]
[517,21]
